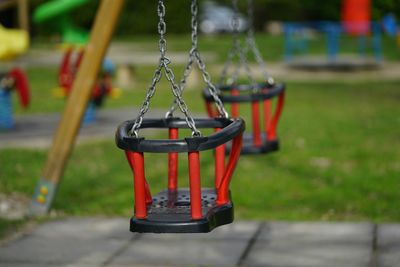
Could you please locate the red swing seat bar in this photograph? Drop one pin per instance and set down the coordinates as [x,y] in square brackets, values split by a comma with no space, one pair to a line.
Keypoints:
[258,141]
[176,210]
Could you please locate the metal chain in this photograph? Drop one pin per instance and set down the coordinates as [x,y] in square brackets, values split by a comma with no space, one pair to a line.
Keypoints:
[163,64]
[194,55]
[237,51]
[235,46]
[251,43]
[211,87]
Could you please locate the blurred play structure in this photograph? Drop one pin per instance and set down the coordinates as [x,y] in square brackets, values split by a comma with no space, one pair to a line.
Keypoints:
[13,81]
[57,13]
[22,11]
[356,22]
[13,42]
[74,39]
[389,24]
[80,94]
[67,71]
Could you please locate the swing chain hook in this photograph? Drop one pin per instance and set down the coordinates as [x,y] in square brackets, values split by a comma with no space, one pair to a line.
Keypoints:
[194,55]
[163,64]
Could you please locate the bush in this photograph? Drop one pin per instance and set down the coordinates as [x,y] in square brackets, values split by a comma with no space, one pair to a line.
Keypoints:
[140,16]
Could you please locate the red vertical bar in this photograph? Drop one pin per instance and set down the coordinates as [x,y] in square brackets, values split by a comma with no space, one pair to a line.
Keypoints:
[255,115]
[219,163]
[136,161]
[149,199]
[64,73]
[79,59]
[210,111]
[277,115]
[223,190]
[267,117]
[235,106]
[173,163]
[195,186]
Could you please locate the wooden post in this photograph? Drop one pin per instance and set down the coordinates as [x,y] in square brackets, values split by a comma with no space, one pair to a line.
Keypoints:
[64,139]
[23,18]
[22,6]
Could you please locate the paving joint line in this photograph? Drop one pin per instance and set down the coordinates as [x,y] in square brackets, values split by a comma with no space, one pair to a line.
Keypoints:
[121,250]
[374,262]
[250,244]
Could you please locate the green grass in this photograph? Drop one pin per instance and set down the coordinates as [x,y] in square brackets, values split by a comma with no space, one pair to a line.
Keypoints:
[9,226]
[340,160]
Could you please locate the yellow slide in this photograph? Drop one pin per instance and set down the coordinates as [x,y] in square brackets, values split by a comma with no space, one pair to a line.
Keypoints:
[12,43]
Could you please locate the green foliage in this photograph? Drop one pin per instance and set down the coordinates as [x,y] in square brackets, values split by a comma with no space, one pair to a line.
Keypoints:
[140,16]
[9,226]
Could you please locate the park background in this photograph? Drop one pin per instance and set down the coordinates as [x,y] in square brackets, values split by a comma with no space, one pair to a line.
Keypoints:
[340,156]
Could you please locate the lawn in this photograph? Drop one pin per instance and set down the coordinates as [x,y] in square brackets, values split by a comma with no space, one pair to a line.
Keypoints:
[340,158]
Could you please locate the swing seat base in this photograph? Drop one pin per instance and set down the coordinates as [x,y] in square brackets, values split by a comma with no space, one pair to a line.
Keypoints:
[170,213]
[248,147]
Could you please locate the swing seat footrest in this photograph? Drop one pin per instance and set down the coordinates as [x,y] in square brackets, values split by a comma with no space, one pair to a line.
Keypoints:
[170,213]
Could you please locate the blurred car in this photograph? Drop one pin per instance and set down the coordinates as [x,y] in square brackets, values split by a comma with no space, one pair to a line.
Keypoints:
[215,18]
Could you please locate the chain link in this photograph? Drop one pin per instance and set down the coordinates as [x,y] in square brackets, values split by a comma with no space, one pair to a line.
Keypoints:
[163,64]
[251,43]
[194,56]
[238,50]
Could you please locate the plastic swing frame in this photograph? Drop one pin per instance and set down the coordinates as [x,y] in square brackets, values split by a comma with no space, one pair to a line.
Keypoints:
[193,210]
[259,141]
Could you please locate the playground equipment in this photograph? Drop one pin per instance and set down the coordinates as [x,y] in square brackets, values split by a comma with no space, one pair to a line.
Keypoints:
[57,11]
[176,210]
[15,80]
[355,22]
[22,11]
[297,39]
[254,93]
[356,16]
[68,68]
[12,43]
[81,92]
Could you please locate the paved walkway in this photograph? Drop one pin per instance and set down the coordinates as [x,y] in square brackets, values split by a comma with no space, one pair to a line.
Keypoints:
[37,131]
[136,55]
[93,242]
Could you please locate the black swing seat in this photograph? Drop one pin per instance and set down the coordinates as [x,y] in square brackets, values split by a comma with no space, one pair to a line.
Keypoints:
[230,129]
[170,213]
[247,95]
[249,148]
[273,91]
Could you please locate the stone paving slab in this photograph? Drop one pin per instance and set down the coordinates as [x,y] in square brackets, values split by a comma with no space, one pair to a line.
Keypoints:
[313,244]
[222,247]
[388,245]
[95,242]
[73,241]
